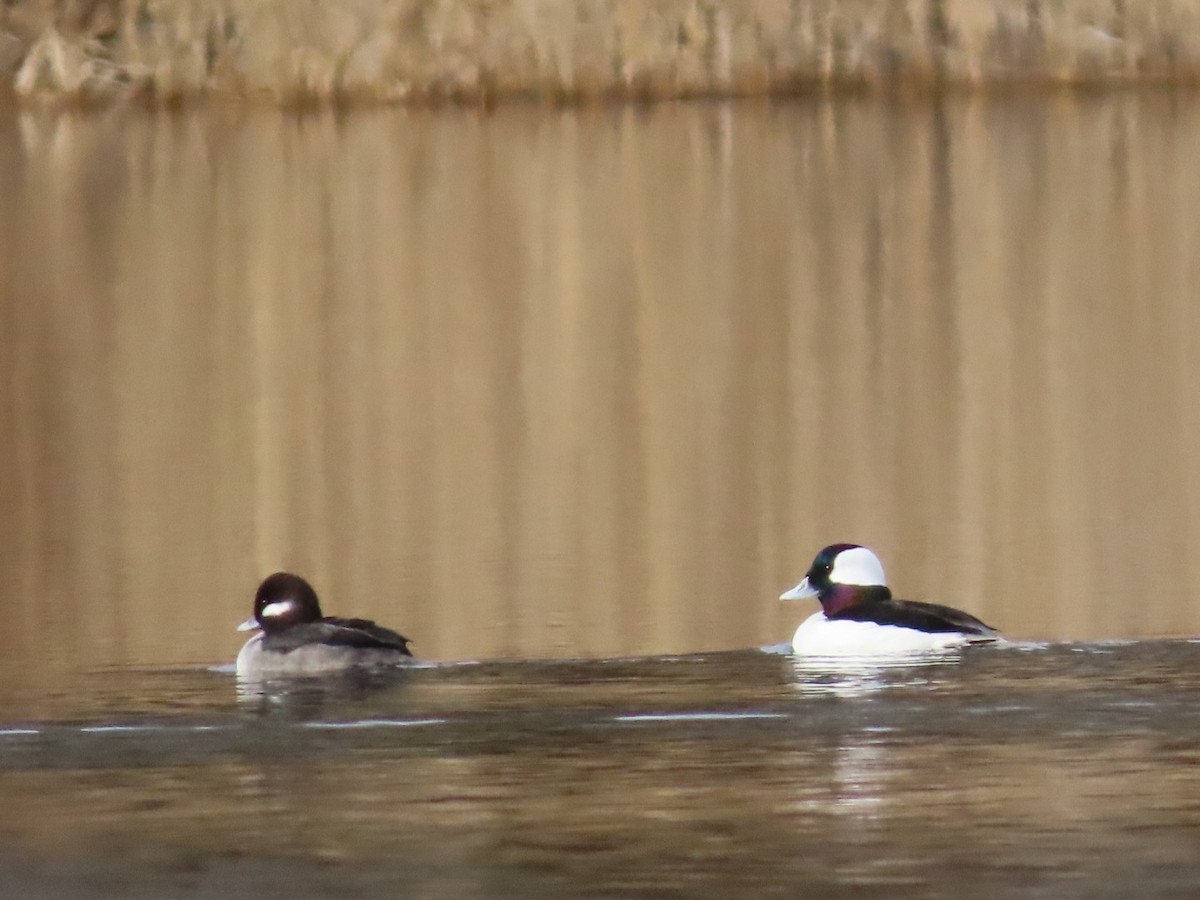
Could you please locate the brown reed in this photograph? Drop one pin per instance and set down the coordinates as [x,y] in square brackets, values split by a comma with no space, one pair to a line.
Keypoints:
[392,51]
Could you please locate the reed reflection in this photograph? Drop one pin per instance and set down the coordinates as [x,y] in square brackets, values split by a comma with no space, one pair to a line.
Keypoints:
[597,382]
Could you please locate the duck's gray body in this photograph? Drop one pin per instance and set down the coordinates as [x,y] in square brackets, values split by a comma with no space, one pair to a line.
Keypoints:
[295,639]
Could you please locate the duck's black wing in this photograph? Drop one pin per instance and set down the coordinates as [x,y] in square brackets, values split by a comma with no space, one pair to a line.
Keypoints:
[335,632]
[364,633]
[929,617]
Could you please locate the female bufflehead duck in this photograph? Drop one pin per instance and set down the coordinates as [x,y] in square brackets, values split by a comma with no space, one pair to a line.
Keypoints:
[859,617]
[295,639]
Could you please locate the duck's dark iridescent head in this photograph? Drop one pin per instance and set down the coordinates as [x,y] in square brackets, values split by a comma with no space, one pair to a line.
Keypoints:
[283,599]
[838,576]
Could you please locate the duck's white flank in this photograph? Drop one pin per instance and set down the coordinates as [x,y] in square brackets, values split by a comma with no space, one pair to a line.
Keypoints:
[819,636]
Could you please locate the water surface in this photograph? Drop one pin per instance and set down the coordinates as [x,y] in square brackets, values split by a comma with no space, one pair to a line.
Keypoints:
[568,398]
[597,382]
[1065,771]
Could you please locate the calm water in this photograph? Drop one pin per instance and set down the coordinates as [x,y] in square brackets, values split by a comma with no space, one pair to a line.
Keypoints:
[595,385]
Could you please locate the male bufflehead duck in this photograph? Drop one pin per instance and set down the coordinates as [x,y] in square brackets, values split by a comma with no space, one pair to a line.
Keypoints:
[859,617]
[295,639]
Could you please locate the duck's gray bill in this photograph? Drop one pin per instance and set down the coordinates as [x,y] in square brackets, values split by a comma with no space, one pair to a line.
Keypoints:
[249,625]
[799,592]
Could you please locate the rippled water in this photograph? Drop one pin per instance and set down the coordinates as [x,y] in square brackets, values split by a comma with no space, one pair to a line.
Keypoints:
[1030,770]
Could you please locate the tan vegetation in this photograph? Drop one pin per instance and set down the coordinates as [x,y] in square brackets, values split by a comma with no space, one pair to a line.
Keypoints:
[480,50]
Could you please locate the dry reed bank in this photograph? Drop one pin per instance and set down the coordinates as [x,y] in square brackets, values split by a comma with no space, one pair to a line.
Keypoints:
[414,50]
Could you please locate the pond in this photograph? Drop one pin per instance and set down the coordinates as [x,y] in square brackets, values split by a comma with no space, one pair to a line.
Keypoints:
[568,397]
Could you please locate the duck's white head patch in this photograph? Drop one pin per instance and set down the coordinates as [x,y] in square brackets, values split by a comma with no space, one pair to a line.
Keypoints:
[858,565]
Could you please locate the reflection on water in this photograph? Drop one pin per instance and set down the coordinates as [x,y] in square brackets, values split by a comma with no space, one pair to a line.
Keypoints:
[858,676]
[598,382]
[1066,771]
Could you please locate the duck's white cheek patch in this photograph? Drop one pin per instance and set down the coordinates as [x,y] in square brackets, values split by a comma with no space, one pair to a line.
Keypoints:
[276,609]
